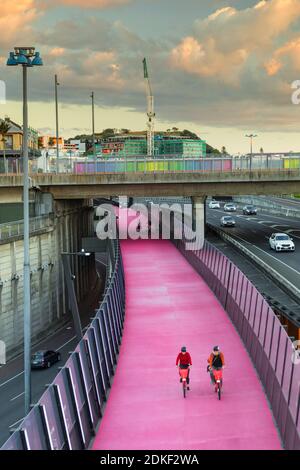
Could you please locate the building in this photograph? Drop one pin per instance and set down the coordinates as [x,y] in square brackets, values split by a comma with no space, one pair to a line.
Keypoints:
[135,143]
[48,141]
[11,146]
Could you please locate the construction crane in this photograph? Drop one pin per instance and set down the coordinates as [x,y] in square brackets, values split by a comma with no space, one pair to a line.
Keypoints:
[150,112]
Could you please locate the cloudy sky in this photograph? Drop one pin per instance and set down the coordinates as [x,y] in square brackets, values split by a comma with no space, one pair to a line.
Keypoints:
[222,68]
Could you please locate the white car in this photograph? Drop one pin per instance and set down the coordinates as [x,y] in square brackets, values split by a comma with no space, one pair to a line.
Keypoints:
[230,207]
[214,205]
[281,242]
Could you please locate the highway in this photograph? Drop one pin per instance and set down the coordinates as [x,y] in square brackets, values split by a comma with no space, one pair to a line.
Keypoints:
[12,376]
[254,232]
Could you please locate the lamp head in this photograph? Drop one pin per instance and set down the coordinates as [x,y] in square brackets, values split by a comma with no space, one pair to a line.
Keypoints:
[11,61]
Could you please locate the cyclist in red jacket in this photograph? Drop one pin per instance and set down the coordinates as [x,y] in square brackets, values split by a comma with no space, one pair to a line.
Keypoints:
[184,361]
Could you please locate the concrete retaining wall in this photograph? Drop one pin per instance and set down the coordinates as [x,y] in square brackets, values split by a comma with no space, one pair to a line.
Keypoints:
[49,306]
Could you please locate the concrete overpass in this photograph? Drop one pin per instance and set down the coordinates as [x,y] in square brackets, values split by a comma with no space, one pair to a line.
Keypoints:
[194,184]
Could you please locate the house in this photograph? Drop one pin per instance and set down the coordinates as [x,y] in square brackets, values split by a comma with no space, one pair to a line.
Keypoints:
[11,146]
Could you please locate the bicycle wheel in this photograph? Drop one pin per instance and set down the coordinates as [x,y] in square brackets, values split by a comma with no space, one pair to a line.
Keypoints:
[219,391]
[184,389]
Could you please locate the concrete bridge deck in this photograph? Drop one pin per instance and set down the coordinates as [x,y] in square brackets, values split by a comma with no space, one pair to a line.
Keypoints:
[194,183]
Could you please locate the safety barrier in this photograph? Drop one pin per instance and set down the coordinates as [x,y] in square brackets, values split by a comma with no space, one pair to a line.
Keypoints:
[16,229]
[67,414]
[272,351]
[165,164]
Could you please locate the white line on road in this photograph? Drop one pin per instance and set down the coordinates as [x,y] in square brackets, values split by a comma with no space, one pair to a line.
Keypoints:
[12,378]
[20,373]
[65,344]
[268,254]
[19,420]
[17,396]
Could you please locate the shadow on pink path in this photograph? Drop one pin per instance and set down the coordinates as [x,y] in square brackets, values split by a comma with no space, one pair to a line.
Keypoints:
[168,305]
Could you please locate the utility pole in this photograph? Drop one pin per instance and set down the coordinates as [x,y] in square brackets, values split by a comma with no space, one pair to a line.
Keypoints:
[251,137]
[93,130]
[57,131]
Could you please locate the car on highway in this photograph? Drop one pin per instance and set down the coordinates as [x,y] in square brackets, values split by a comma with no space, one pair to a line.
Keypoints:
[214,205]
[227,221]
[281,242]
[249,210]
[230,207]
[44,359]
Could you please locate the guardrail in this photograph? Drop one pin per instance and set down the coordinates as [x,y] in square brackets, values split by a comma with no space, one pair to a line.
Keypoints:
[16,228]
[269,207]
[67,414]
[267,342]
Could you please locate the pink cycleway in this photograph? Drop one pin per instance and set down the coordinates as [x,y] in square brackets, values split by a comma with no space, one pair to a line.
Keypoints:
[168,305]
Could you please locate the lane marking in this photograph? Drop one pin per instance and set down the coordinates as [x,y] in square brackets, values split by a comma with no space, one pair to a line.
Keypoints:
[17,396]
[19,420]
[12,378]
[20,373]
[67,342]
[268,254]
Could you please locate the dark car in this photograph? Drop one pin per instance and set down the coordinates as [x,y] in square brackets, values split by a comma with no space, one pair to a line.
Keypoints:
[227,221]
[249,210]
[44,359]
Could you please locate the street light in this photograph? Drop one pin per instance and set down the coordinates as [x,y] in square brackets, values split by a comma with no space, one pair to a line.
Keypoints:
[27,57]
[93,129]
[56,119]
[251,137]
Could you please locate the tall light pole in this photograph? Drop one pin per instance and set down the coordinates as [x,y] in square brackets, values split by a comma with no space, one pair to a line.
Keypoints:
[251,137]
[27,57]
[93,129]
[56,120]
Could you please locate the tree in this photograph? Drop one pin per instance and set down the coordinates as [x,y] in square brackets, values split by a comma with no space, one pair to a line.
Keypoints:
[261,150]
[190,134]
[224,151]
[211,150]
[108,133]
[4,129]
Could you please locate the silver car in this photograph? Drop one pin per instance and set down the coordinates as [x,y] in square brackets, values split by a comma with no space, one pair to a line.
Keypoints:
[230,207]
[227,221]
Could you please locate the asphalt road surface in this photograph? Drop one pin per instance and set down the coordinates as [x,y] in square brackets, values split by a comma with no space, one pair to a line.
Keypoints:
[254,233]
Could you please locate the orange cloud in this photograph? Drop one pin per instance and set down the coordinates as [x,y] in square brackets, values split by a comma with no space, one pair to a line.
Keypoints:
[15,20]
[289,52]
[223,43]
[91,3]
[57,51]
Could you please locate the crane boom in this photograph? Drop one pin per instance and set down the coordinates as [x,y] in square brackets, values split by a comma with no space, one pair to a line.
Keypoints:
[150,111]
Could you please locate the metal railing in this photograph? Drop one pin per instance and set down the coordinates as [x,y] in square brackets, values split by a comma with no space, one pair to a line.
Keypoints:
[67,414]
[16,228]
[165,163]
[266,340]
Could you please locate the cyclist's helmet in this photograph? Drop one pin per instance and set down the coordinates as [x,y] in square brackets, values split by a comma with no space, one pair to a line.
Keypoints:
[216,348]
[183,349]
